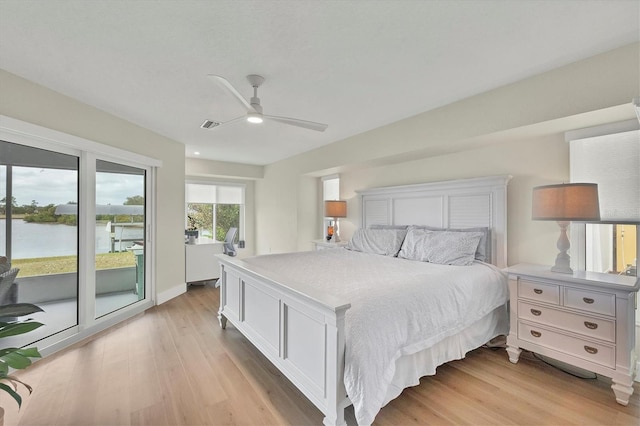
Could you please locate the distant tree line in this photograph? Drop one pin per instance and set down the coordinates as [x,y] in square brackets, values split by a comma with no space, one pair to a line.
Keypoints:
[200,217]
[33,213]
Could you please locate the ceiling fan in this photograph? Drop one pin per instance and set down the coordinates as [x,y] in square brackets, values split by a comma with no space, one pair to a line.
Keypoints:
[254,109]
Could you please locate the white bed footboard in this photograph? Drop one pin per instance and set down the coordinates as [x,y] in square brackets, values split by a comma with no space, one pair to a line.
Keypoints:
[299,331]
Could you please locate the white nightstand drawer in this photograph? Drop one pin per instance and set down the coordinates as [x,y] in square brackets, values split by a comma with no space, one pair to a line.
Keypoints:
[601,303]
[602,329]
[541,292]
[571,345]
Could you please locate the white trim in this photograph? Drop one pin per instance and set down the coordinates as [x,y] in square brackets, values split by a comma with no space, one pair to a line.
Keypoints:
[605,129]
[169,294]
[20,131]
[87,241]
[150,235]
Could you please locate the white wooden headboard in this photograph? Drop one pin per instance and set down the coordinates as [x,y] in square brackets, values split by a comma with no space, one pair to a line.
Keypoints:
[463,203]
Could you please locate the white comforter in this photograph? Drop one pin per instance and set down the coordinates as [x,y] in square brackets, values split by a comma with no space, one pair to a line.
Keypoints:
[398,307]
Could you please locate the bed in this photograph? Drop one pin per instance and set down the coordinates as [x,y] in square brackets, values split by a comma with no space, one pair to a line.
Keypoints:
[356,326]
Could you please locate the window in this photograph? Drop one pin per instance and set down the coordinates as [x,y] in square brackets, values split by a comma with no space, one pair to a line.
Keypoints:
[212,209]
[609,156]
[330,191]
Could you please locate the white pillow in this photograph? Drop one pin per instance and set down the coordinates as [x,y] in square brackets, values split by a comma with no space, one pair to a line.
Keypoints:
[483,252]
[386,242]
[442,247]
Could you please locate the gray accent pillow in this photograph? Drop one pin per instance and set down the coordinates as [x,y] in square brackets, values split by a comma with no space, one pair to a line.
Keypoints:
[442,247]
[483,252]
[386,242]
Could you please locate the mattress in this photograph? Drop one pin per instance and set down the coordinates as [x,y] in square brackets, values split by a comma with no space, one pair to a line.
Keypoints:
[398,308]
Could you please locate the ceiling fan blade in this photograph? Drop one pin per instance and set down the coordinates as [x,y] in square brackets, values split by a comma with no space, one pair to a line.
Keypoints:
[319,127]
[232,90]
[210,124]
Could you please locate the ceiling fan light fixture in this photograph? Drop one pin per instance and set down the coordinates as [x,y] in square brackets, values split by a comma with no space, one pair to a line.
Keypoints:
[254,109]
[254,117]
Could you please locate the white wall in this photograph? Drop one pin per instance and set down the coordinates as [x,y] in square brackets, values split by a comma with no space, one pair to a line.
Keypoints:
[27,101]
[516,129]
[530,162]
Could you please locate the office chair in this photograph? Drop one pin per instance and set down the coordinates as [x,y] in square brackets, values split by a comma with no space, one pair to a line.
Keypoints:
[228,248]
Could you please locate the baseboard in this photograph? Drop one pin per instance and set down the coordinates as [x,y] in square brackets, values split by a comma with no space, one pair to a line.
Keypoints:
[169,294]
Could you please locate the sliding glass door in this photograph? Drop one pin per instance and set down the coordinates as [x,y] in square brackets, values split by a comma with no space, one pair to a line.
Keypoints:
[39,242]
[75,226]
[120,235]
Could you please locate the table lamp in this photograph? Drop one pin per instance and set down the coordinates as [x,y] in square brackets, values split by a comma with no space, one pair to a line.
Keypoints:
[335,209]
[564,203]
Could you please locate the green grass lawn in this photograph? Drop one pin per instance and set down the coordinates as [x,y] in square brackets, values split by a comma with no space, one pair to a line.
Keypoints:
[62,264]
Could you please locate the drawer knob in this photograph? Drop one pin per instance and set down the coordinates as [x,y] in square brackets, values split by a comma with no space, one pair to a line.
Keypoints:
[536,312]
[587,300]
[590,325]
[538,334]
[591,350]
[537,291]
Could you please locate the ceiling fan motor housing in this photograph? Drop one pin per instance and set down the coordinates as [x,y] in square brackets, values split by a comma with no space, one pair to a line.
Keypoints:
[255,103]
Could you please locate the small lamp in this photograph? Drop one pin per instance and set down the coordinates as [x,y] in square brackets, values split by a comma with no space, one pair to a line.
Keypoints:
[564,203]
[335,209]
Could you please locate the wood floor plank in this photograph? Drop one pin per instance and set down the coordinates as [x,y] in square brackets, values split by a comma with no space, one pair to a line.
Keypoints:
[173,365]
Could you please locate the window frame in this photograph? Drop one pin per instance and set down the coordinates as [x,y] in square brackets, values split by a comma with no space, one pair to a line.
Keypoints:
[326,221]
[23,133]
[241,220]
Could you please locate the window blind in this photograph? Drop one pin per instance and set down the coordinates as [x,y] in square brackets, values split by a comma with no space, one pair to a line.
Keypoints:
[331,189]
[196,193]
[613,162]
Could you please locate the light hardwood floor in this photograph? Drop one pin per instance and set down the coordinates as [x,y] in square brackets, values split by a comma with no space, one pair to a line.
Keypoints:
[173,365]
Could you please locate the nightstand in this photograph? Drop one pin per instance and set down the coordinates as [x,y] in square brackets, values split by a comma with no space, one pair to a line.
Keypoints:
[324,244]
[586,319]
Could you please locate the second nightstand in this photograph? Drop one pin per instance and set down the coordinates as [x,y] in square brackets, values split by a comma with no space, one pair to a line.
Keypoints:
[324,244]
[586,319]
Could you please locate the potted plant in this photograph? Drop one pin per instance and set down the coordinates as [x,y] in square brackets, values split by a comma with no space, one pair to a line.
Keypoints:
[16,358]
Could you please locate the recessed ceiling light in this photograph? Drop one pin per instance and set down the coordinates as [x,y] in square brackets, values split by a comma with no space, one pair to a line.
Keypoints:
[196,153]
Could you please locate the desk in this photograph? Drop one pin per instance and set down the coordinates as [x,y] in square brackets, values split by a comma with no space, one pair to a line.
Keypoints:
[200,261]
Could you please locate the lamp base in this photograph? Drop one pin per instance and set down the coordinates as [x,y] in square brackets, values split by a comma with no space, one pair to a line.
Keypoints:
[560,268]
[563,260]
[336,236]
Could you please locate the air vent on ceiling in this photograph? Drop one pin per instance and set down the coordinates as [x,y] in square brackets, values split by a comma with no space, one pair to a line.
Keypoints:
[208,124]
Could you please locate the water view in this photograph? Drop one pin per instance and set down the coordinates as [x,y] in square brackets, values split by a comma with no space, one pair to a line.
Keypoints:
[31,240]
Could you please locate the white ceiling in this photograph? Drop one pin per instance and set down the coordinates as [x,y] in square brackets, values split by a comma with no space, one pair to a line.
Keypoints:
[355,65]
